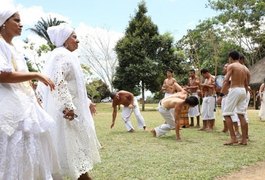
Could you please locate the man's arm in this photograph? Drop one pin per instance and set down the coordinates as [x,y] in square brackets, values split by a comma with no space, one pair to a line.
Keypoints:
[226,82]
[114,114]
[178,108]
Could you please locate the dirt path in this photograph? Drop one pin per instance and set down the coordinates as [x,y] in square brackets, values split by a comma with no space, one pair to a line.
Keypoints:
[254,172]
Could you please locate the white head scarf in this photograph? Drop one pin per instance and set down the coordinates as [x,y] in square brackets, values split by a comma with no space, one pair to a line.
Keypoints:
[59,34]
[6,12]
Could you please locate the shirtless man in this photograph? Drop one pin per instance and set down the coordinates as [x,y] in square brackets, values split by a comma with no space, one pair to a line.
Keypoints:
[170,108]
[222,100]
[208,101]
[236,98]
[168,84]
[192,88]
[130,104]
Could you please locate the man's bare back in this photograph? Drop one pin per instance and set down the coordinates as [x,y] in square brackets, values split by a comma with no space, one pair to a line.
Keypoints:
[124,98]
[239,75]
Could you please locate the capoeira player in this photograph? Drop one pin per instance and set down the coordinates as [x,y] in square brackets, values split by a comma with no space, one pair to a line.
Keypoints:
[208,101]
[130,105]
[168,84]
[193,87]
[222,99]
[236,98]
[170,109]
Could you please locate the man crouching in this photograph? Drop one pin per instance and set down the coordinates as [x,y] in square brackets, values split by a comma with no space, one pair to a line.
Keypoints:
[170,109]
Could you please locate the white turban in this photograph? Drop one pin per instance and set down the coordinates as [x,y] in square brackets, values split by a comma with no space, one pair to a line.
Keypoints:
[6,12]
[59,34]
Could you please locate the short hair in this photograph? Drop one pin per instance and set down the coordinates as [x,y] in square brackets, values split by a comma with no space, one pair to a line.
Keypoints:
[203,71]
[192,70]
[170,70]
[234,55]
[112,94]
[192,101]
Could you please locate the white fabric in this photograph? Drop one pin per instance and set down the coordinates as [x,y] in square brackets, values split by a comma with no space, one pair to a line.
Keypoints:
[234,117]
[236,99]
[126,116]
[262,107]
[6,11]
[194,111]
[26,150]
[208,106]
[169,117]
[77,143]
[59,34]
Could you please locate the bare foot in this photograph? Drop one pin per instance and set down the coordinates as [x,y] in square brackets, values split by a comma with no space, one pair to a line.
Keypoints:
[232,142]
[197,126]
[153,132]
[131,130]
[202,129]
[224,131]
[178,139]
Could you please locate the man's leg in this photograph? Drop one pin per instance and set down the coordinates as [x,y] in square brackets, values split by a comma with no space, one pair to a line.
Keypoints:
[139,117]
[126,114]
[198,122]
[230,127]
[191,121]
[225,129]
[243,129]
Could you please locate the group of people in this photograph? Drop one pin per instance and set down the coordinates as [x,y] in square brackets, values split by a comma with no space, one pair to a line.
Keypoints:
[233,95]
[48,133]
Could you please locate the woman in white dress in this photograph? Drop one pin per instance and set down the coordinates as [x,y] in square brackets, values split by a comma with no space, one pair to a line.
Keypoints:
[262,101]
[74,135]
[26,150]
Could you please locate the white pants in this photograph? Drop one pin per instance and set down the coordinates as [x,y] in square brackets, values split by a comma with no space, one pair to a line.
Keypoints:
[126,114]
[234,117]
[169,118]
[194,111]
[236,101]
[208,106]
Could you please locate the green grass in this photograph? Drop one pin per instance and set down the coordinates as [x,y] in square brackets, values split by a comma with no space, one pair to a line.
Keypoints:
[200,155]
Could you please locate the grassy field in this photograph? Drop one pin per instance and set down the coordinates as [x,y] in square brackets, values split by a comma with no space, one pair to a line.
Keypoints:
[200,155]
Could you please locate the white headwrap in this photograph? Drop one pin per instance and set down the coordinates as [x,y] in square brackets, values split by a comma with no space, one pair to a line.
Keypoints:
[59,34]
[6,12]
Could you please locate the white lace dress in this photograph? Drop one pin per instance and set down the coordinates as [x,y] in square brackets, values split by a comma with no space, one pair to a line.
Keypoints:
[26,149]
[77,143]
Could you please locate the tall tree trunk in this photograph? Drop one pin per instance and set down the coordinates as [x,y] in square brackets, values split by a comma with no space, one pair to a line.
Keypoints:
[143,101]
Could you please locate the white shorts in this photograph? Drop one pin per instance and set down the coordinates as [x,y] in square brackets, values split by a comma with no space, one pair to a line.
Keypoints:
[194,111]
[236,100]
[234,117]
[208,106]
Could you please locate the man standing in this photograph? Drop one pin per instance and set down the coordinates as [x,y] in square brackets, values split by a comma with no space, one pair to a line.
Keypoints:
[193,87]
[170,108]
[236,98]
[168,84]
[130,104]
[208,102]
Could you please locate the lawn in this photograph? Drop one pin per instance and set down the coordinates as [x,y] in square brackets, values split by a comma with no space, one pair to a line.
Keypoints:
[200,155]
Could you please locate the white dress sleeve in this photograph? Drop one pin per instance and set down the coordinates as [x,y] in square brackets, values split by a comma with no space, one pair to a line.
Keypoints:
[62,93]
[5,58]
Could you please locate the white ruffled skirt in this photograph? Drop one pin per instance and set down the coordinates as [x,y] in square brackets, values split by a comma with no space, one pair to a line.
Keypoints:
[29,154]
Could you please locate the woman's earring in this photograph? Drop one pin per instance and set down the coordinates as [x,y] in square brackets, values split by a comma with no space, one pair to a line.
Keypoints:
[4,26]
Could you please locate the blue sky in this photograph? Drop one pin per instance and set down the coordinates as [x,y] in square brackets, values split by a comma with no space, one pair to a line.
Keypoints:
[174,16]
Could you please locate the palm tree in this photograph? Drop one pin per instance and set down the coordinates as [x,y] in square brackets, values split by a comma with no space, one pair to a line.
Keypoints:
[41,29]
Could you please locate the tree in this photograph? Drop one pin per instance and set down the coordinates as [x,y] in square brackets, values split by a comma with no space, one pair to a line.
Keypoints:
[98,53]
[143,55]
[243,21]
[97,90]
[41,29]
[206,47]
